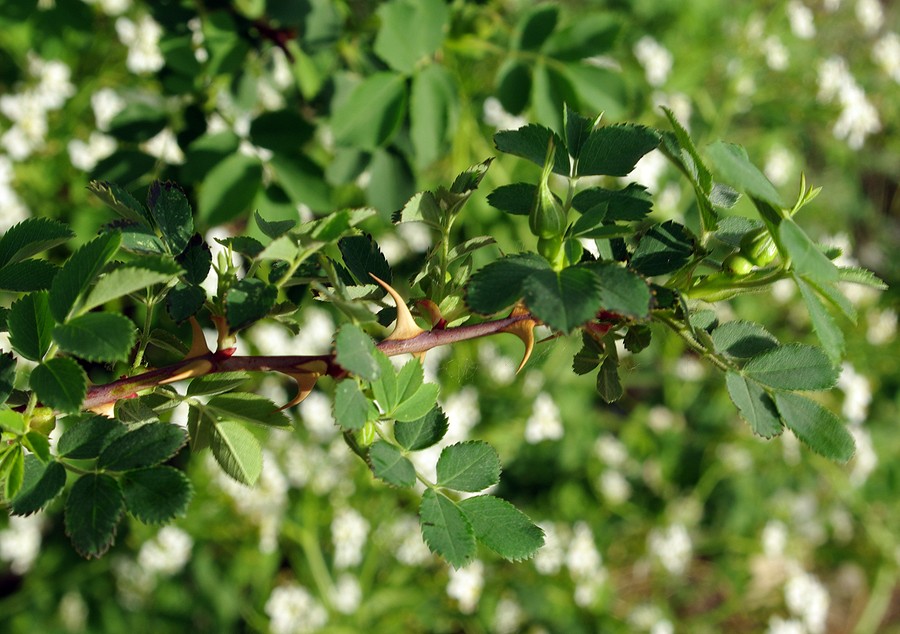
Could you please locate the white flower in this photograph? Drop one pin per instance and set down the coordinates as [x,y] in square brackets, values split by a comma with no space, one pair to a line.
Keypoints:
[689,368]
[881,326]
[73,611]
[106,104]
[54,85]
[834,77]
[496,117]
[777,625]
[870,15]
[583,560]
[886,53]
[465,586]
[500,368]
[550,557]
[610,450]
[20,542]
[655,59]
[801,19]
[293,610]
[857,394]
[142,40]
[349,530]
[660,418]
[405,539]
[649,169]
[774,538]
[14,210]
[777,56]
[865,460]
[587,589]
[164,146]
[85,156]
[831,5]
[133,583]
[858,119]
[779,164]
[111,7]
[347,594]
[315,411]
[508,616]
[417,235]
[545,422]
[167,553]
[808,599]
[672,547]
[614,486]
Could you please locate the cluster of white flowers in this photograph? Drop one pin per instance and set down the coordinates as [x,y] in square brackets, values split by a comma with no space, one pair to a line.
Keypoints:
[612,483]
[167,553]
[293,610]
[346,594]
[73,611]
[545,422]
[779,165]
[465,585]
[404,538]
[801,19]
[324,471]
[672,546]
[649,170]
[134,583]
[886,53]
[498,118]
[315,413]
[349,531]
[14,210]
[655,59]
[870,15]
[649,618]
[585,565]
[500,368]
[20,542]
[164,146]
[857,394]
[508,616]
[858,118]
[881,326]
[28,109]
[142,40]
[807,598]
[776,53]
[197,39]
[86,155]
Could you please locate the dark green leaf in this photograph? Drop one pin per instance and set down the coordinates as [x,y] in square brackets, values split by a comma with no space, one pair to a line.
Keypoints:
[144,446]
[87,435]
[196,259]
[248,408]
[637,338]
[468,466]
[79,271]
[563,300]
[742,339]
[423,432]
[517,199]
[446,529]
[172,213]
[830,336]
[663,249]
[136,411]
[589,357]
[410,31]
[139,121]
[806,258]
[30,237]
[30,325]
[38,444]
[275,228]
[390,465]
[97,337]
[531,142]
[754,404]
[351,407]
[609,386]
[217,383]
[93,509]
[592,34]
[156,494]
[7,375]
[237,451]
[502,527]
[577,129]
[468,180]
[499,284]
[281,131]
[433,112]
[248,301]
[304,182]
[60,383]
[513,85]
[733,166]
[817,427]
[26,276]
[614,150]
[184,301]
[633,202]
[392,181]
[535,26]
[229,189]
[371,114]
[621,291]
[362,256]
[206,152]
[794,366]
[42,483]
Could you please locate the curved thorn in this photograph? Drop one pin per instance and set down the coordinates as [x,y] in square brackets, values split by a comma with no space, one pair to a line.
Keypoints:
[199,347]
[406,327]
[195,368]
[524,330]
[306,381]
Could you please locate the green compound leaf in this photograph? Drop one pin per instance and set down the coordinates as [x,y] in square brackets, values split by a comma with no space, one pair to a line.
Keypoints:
[97,337]
[743,339]
[502,527]
[468,466]
[93,509]
[172,213]
[419,404]
[592,34]
[385,389]
[79,271]
[7,375]
[733,166]
[446,529]
[60,383]
[30,237]
[830,336]
[27,276]
[663,249]
[42,483]
[499,284]
[390,465]
[217,383]
[513,85]
[410,399]
[237,451]
[422,432]
[85,436]
[30,325]
[248,408]
[577,130]
[128,279]
[410,31]
[146,446]
[531,142]
[806,258]
[516,199]
[622,291]
[563,300]
[371,114]
[351,407]
[614,150]
[273,229]
[362,257]
[794,366]
[157,494]
[355,352]
[433,111]
[817,427]
[755,405]
[248,301]
[184,301]
[120,201]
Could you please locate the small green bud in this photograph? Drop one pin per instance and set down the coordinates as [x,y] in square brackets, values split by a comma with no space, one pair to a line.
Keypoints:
[548,217]
[759,247]
[366,436]
[43,420]
[737,264]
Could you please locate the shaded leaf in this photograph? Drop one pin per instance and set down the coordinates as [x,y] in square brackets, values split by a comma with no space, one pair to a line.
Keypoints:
[818,428]
[830,336]
[351,407]
[7,375]
[563,300]
[362,256]
[229,188]
[516,199]
[371,114]
[27,276]
[172,213]
[609,386]
[410,31]
[97,337]
[273,229]
[156,494]
[531,142]
[87,435]
[30,237]
[79,271]
[248,408]
[144,446]
[128,279]
[633,202]
[196,259]
[422,432]
[60,383]
[621,291]
[663,249]
[184,301]
[42,482]
[742,339]
[93,509]
[30,325]
[248,301]
[614,150]
[499,284]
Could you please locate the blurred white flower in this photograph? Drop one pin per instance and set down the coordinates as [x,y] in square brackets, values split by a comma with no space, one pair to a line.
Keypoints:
[779,165]
[465,586]
[774,538]
[106,104]
[831,5]
[858,119]
[587,589]
[865,460]
[20,542]
[500,368]
[417,235]
[347,594]
[73,611]
[648,170]
[29,130]
[870,15]
[167,553]
[54,85]
[496,117]
[133,583]
[801,19]
[655,59]
[857,394]
[807,599]
[315,412]
[610,450]
[404,537]
[583,560]
[550,558]
[689,368]
[164,146]
[776,53]
[14,210]
[886,53]
[85,156]
[881,326]
[660,418]
[777,625]
[508,616]
[349,530]
[293,610]
[647,618]
[672,546]
[545,422]
[111,7]
[142,40]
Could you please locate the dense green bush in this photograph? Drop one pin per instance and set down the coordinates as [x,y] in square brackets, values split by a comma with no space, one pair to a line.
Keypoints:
[298,136]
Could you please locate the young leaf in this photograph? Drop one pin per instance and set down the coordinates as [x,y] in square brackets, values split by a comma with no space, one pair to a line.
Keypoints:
[30,325]
[563,300]
[93,509]
[121,202]
[172,213]
[446,529]
[38,444]
[362,256]
[156,494]
[79,271]
[27,276]
[248,408]
[30,237]
[830,336]
[577,129]
[499,284]
[248,301]
[614,150]
[12,421]
[145,446]
[663,249]
[742,339]
[217,383]
[609,386]
[468,466]
[97,336]
[754,404]
[817,427]
[196,259]
[390,465]
[355,352]
[237,451]
[87,435]
[733,166]
[351,407]
[184,301]
[422,432]
[531,142]
[60,383]
[42,483]
[502,527]
[794,366]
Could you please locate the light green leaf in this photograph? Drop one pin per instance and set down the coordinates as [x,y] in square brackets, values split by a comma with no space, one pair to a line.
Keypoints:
[248,408]
[97,336]
[283,248]
[77,274]
[614,150]
[237,451]
[419,404]
[12,470]
[857,275]
[410,31]
[60,383]
[12,421]
[742,339]
[818,428]
[502,527]
[93,509]
[156,494]
[303,180]
[754,404]
[733,166]
[563,300]
[390,465]
[30,237]
[42,482]
[144,446]
[38,444]
[422,432]
[371,114]
[125,280]
[273,229]
[806,258]
[433,112]
[794,366]
[355,352]
[468,466]
[30,325]
[830,336]
[446,529]
[351,407]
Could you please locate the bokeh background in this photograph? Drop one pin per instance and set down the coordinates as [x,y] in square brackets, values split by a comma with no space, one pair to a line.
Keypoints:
[663,513]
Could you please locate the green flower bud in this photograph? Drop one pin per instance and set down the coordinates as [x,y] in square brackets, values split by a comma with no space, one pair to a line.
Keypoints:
[43,420]
[737,264]
[552,249]
[548,217]
[759,247]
